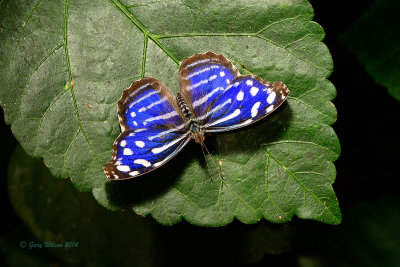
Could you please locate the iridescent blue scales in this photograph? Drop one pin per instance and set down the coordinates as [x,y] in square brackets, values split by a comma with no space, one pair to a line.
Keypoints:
[213,97]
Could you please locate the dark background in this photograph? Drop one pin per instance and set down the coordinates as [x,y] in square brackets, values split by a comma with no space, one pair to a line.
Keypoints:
[367,174]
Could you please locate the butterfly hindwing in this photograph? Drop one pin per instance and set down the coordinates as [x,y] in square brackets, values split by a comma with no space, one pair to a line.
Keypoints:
[246,100]
[203,78]
[142,150]
[152,130]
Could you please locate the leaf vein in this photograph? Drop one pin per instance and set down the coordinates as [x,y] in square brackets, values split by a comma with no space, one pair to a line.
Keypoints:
[308,105]
[300,142]
[71,88]
[165,211]
[144,56]
[144,30]
[255,35]
[267,188]
[187,197]
[67,151]
[36,69]
[293,54]
[43,117]
[282,20]
[240,198]
[312,172]
[302,185]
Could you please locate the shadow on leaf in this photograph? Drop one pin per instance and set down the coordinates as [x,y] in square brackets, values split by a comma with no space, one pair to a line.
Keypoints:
[150,186]
[144,188]
[250,138]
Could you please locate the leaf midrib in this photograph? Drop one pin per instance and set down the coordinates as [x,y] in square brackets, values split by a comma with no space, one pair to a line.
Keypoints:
[143,29]
[70,82]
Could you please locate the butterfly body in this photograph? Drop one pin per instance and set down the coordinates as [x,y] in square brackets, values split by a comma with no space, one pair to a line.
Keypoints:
[191,121]
[213,97]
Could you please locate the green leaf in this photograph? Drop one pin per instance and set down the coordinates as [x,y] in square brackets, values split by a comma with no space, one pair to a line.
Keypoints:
[56,213]
[379,49]
[64,66]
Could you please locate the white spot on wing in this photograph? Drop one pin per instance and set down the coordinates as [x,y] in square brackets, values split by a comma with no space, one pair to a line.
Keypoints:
[201,71]
[228,87]
[268,89]
[249,82]
[254,90]
[144,97]
[254,109]
[164,116]
[133,114]
[240,96]
[123,168]
[244,123]
[212,77]
[229,117]
[128,152]
[123,143]
[271,97]
[222,73]
[168,145]
[200,101]
[158,163]
[152,105]
[139,144]
[269,109]
[203,81]
[197,62]
[134,173]
[143,162]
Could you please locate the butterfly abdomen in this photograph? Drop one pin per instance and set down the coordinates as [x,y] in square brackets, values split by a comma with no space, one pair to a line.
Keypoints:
[191,122]
[183,107]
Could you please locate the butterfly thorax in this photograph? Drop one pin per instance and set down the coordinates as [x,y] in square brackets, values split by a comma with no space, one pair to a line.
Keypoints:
[190,120]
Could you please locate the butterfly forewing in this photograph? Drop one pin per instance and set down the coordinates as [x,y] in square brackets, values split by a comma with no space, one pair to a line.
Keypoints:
[148,103]
[203,78]
[153,130]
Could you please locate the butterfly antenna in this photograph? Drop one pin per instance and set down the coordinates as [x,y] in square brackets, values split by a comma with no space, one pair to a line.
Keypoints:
[218,166]
[208,167]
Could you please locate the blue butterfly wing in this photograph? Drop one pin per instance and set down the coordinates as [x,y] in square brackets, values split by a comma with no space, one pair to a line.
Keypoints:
[222,99]
[203,78]
[153,130]
[245,100]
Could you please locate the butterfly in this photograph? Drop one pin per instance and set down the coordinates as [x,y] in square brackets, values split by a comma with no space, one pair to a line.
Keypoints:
[213,98]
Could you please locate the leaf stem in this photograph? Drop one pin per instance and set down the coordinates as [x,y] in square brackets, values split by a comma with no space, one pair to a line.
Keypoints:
[146,39]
